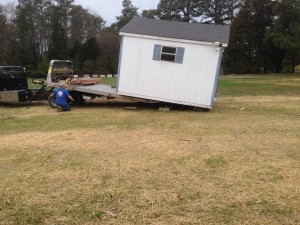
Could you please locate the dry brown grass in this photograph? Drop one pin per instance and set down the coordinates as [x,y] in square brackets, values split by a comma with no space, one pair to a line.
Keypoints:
[238,164]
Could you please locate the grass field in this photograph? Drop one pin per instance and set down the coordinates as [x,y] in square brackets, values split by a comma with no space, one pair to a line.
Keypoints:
[101,164]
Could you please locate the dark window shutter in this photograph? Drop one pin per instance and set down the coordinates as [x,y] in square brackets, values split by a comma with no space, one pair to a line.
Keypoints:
[179,55]
[156,53]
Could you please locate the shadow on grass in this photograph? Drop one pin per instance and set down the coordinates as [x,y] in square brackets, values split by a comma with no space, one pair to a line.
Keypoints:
[132,105]
[119,104]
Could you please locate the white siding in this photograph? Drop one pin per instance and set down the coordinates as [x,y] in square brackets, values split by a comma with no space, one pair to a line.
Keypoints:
[190,83]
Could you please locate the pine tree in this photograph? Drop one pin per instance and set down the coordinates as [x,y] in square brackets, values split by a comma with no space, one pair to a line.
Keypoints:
[58,44]
[84,25]
[90,50]
[247,52]
[28,51]
[151,13]
[32,21]
[215,11]
[232,9]
[128,12]
[220,11]
[186,10]
[285,34]
[8,35]
[3,26]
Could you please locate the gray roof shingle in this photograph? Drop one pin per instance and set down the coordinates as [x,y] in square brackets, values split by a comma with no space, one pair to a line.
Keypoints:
[178,30]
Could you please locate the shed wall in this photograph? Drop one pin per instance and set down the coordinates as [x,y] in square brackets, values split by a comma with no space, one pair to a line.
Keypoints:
[189,83]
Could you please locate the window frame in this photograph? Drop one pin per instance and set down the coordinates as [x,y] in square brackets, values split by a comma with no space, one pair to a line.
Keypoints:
[161,53]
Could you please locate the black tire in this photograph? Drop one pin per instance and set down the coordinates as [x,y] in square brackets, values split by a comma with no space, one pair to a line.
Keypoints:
[78,99]
[51,101]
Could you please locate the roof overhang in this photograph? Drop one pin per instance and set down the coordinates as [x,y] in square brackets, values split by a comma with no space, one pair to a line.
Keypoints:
[174,39]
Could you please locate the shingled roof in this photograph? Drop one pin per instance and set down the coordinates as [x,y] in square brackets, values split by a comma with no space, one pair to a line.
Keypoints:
[178,30]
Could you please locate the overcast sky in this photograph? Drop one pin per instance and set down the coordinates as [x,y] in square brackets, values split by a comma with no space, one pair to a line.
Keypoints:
[108,9]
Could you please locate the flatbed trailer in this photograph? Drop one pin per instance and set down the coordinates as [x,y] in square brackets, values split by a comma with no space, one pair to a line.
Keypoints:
[88,92]
[97,89]
[14,85]
[81,89]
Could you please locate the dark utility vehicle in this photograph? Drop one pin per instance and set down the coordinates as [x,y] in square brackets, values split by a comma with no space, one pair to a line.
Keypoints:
[14,86]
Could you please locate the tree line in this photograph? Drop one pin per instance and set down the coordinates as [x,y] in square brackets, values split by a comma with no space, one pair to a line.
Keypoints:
[264,37]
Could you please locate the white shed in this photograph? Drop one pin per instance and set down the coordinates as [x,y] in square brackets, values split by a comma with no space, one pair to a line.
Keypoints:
[171,61]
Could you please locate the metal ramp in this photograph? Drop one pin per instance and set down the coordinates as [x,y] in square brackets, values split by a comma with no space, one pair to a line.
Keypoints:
[97,89]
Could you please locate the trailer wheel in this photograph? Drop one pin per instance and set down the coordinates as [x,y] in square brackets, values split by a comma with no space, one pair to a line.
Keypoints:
[51,101]
[78,99]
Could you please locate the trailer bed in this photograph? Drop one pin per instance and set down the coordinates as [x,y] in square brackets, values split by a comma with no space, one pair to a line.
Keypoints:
[97,89]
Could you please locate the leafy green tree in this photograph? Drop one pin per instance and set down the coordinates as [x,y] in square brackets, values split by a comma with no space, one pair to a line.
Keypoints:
[2,36]
[215,11]
[232,8]
[94,25]
[58,44]
[42,23]
[186,10]
[75,52]
[151,13]
[84,56]
[2,16]
[77,15]
[219,11]
[128,12]
[169,10]
[28,52]
[89,67]
[246,52]
[84,24]
[47,29]
[32,21]
[62,12]
[10,41]
[285,34]
[109,45]
[90,50]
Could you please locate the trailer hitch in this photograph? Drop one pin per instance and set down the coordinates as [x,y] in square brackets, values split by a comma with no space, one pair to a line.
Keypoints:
[42,90]
[40,82]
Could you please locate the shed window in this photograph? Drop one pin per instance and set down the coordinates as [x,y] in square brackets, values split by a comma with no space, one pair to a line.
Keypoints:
[170,54]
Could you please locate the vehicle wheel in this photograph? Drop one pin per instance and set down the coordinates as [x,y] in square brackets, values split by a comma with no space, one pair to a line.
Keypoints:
[51,101]
[78,99]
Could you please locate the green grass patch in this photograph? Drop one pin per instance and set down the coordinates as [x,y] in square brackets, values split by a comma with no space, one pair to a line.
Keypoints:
[259,85]
[112,81]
